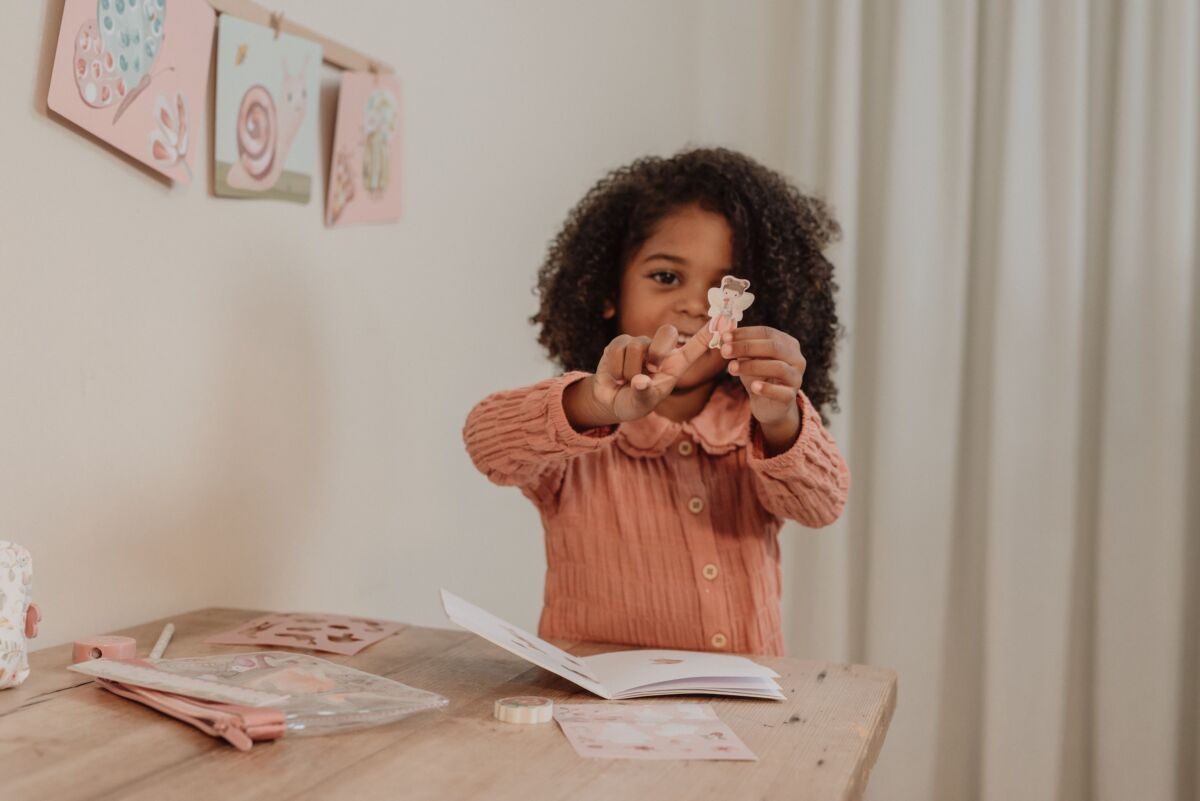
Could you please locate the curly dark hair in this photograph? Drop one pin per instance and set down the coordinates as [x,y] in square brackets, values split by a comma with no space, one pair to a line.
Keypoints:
[778,238]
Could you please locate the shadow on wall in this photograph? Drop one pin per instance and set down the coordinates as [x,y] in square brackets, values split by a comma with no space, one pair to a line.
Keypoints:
[265,447]
[224,521]
[329,89]
[220,522]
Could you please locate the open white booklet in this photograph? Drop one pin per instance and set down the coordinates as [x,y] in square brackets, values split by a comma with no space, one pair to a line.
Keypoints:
[624,674]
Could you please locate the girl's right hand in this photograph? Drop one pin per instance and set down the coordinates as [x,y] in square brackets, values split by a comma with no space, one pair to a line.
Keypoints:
[634,375]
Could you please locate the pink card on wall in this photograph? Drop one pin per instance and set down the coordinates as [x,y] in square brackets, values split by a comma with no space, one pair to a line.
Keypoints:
[336,634]
[364,173]
[649,731]
[134,73]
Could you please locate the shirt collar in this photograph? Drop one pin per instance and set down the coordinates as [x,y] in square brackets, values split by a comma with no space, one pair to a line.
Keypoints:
[721,426]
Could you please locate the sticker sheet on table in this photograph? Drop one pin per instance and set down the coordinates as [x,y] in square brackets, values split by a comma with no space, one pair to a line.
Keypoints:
[650,731]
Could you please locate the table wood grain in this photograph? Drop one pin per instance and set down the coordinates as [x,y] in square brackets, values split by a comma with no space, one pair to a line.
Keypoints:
[63,738]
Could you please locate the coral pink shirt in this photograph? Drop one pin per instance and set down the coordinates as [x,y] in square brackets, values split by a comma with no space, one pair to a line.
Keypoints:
[660,534]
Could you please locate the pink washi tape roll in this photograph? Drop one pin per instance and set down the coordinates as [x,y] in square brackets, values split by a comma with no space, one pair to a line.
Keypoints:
[105,647]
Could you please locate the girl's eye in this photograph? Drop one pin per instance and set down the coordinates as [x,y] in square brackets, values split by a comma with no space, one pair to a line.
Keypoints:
[665,278]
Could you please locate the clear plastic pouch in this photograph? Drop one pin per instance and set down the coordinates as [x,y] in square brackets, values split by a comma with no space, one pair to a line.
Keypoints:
[315,696]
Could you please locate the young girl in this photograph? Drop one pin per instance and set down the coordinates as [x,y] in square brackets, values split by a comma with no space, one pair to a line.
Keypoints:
[663,468]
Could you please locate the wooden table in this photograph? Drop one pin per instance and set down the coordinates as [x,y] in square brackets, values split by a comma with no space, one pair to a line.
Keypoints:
[63,738]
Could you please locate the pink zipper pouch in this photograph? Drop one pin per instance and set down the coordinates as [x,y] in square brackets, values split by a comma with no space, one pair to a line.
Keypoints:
[240,726]
[254,697]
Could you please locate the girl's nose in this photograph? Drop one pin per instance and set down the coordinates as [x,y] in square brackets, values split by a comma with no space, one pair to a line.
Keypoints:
[694,304]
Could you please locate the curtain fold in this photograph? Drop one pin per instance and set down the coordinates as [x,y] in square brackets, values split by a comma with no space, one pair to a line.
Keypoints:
[1020,377]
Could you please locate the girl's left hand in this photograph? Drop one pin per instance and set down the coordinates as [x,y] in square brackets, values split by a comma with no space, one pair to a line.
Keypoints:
[771,367]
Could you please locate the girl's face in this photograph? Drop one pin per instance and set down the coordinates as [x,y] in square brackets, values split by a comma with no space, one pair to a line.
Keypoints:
[668,278]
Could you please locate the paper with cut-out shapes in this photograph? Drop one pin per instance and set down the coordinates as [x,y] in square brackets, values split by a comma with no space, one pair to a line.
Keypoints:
[650,731]
[336,634]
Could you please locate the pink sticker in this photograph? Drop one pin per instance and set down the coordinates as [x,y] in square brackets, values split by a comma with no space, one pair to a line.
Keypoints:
[725,306]
[649,731]
[336,634]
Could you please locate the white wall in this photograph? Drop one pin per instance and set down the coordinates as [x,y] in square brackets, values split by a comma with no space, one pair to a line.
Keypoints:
[216,402]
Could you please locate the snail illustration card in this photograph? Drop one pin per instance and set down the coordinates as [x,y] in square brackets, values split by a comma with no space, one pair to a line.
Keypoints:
[649,731]
[336,634]
[267,109]
[134,73]
[364,179]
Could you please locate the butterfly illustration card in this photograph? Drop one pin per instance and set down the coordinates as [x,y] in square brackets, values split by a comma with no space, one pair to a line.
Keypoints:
[649,731]
[364,174]
[134,73]
[336,634]
[267,99]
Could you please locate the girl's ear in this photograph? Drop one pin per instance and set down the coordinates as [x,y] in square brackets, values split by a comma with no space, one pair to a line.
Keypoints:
[609,311]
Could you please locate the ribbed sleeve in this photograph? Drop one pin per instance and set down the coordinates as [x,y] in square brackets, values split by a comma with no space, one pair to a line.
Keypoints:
[522,438]
[808,482]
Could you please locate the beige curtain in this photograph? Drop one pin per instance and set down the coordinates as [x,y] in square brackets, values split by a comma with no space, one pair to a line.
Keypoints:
[1020,380]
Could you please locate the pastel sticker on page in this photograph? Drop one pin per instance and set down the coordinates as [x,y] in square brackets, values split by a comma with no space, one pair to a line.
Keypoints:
[624,674]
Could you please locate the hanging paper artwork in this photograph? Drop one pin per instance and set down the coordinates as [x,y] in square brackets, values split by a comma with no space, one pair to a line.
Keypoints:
[267,109]
[134,73]
[364,180]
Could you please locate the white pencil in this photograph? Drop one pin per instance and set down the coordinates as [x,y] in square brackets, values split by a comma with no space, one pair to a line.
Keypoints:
[163,639]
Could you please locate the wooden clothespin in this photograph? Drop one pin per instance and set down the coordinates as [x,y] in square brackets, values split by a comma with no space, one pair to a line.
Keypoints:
[276,22]
[373,68]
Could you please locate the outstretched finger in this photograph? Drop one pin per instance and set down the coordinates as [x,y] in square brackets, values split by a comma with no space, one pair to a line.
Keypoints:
[780,371]
[635,357]
[680,359]
[775,392]
[638,399]
[661,346]
[612,363]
